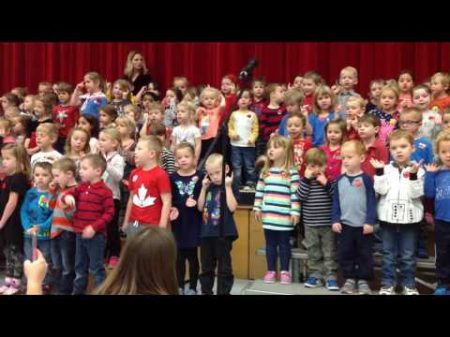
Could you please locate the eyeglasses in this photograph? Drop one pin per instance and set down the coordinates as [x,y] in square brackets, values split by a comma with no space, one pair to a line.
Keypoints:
[408,122]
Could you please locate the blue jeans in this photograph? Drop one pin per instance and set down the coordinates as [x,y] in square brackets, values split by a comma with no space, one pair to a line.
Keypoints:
[89,257]
[63,259]
[399,241]
[44,247]
[243,158]
[275,239]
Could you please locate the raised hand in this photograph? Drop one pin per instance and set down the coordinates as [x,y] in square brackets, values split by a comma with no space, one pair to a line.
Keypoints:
[322,179]
[431,168]
[206,182]
[229,180]
[377,164]
[415,167]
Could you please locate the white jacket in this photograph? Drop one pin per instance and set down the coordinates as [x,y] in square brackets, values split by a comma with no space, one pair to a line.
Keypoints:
[115,165]
[400,201]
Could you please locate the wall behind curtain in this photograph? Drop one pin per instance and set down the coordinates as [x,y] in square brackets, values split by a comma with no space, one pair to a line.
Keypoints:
[27,63]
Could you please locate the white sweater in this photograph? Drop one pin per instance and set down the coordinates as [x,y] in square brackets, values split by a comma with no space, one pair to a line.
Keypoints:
[400,201]
[115,164]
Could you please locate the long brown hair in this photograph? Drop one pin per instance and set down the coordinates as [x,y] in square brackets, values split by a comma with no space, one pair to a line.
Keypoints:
[19,152]
[286,144]
[146,266]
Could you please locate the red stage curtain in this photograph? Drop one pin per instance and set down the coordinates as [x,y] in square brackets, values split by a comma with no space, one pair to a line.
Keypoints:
[27,63]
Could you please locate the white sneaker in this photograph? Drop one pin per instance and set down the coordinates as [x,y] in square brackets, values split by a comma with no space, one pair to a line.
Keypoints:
[410,291]
[387,290]
[6,285]
[13,288]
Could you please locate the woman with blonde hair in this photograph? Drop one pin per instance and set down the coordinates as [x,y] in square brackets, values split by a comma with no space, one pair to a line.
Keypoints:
[136,71]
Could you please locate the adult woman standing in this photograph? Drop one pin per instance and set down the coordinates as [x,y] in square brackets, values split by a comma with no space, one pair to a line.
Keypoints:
[136,71]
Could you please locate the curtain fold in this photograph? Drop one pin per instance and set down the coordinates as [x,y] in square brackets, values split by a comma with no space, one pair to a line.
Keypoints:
[27,63]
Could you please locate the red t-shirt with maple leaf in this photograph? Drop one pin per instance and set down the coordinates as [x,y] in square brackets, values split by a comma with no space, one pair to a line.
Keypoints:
[147,187]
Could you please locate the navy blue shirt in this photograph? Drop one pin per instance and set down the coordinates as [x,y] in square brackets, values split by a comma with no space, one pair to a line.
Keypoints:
[211,214]
[186,228]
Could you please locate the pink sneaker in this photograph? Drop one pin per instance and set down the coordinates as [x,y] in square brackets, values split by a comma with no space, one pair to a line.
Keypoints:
[6,285]
[270,277]
[113,261]
[285,277]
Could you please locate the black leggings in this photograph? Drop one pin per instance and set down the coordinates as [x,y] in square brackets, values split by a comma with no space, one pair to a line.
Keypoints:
[113,237]
[191,255]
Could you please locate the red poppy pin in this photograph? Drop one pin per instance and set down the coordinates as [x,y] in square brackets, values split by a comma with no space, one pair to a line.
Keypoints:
[406,174]
[357,183]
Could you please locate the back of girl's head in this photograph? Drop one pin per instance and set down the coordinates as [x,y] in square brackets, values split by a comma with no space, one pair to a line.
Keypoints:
[341,124]
[185,146]
[113,134]
[293,97]
[19,152]
[323,90]
[128,123]
[280,141]
[110,111]
[68,145]
[146,266]
[93,122]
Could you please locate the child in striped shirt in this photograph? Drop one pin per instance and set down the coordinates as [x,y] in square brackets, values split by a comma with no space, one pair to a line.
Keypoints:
[277,205]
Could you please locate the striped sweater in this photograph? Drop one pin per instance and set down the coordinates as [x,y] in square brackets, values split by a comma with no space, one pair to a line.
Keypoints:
[277,199]
[62,216]
[316,202]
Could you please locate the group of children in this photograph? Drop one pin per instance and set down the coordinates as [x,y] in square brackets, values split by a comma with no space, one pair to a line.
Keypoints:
[71,159]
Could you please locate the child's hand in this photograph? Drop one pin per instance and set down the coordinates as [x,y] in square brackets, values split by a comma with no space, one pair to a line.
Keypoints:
[33,230]
[80,87]
[377,164]
[88,232]
[206,182]
[367,229]
[322,179]
[173,215]
[257,216]
[69,201]
[190,202]
[295,219]
[415,168]
[431,168]
[304,110]
[337,227]
[229,180]
[35,271]
[108,86]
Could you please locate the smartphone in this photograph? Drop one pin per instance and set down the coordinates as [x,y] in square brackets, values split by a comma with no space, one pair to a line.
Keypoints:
[34,247]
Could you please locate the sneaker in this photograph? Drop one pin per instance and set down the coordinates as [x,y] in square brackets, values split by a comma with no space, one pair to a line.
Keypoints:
[285,277]
[312,282]
[387,290]
[113,261]
[6,285]
[363,288]
[349,287]
[441,291]
[410,291]
[190,292]
[270,277]
[332,285]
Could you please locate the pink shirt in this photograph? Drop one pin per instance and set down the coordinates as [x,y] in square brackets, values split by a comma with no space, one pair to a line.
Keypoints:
[334,162]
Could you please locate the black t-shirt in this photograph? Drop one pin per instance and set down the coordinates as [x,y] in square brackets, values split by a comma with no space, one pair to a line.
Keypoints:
[12,232]
[140,81]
